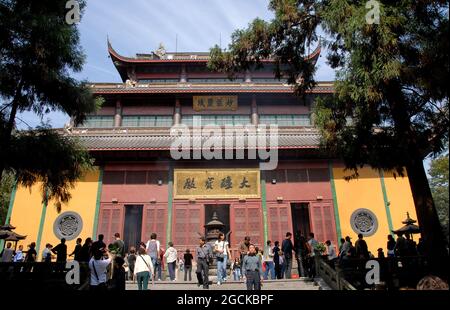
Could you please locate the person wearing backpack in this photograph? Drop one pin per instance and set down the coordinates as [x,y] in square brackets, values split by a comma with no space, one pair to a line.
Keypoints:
[153,248]
[143,269]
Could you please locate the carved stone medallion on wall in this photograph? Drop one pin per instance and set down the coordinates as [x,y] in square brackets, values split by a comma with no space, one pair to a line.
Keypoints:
[68,225]
[364,222]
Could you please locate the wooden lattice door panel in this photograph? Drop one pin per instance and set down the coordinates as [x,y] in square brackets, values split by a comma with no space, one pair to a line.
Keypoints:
[247,221]
[111,220]
[279,222]
[187,224]
[322,221]
[154,221]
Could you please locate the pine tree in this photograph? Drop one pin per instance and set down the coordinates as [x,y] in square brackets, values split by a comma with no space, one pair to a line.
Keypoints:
[38,52]
[390,106]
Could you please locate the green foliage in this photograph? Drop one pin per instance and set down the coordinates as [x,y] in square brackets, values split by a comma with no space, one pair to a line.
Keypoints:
[391,77]
[38,53]
[38,50]
[285,40]
[390,105]
[390,83]
[6,187]
[320,248]
[439,170]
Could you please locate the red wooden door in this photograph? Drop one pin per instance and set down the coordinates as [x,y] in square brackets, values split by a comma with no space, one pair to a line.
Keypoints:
[187,224]
[246,220]
[279,221]
[154,220]
[322,221]
[110,221]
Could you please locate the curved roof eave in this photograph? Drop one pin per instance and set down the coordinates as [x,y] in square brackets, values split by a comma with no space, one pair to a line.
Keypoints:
[130,60]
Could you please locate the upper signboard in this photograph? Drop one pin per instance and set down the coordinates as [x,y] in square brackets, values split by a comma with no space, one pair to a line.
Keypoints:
[215,103]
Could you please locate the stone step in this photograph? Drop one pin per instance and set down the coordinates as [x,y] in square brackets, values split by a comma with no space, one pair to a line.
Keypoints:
[292,284]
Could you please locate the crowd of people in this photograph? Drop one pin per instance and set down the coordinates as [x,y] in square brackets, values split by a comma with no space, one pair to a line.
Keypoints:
[110,266]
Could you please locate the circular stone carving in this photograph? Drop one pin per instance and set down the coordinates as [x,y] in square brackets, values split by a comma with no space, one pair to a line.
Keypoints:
[68,225]
[364,222]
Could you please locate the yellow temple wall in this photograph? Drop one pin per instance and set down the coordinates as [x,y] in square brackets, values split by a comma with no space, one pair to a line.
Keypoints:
[367,192]
[400,198]
[29,218]
[26,213]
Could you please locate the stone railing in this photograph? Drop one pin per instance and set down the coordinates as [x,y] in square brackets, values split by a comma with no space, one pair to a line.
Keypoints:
[332,277]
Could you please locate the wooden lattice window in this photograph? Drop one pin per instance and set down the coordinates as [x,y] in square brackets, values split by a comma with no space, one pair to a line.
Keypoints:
[247,221]
[154,220]
[323,223]
[110,222]
[279,222]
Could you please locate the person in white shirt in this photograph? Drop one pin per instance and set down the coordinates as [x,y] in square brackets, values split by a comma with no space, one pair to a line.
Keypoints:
[331,252]
[47,253]
[171,257]
[98,266]
[268,261]
[18,258]
[143,269]
[222,251]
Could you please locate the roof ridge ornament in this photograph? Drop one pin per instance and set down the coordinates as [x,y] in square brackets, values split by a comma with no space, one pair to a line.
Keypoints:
[161,51]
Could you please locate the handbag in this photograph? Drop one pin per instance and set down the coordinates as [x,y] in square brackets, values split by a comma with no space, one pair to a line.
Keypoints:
[221,256]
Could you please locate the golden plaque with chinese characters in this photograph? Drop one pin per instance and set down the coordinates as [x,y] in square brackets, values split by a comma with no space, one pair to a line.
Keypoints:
[216,183]
[215,103]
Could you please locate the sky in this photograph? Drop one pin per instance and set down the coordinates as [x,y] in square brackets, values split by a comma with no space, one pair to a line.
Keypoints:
[139,26]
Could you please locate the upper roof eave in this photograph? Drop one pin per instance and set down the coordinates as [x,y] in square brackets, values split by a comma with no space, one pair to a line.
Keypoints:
[132,61]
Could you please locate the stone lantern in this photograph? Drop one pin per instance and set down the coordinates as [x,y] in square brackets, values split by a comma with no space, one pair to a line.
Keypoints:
[213,228]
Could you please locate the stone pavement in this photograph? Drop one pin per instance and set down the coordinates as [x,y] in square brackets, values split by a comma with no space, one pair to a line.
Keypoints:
[293,284]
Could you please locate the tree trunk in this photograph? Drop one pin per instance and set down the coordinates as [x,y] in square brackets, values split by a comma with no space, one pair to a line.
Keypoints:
[432,234]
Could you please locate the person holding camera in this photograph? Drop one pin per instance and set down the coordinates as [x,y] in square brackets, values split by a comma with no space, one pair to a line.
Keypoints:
[252,269]
[98,266]
[222,251]
[204,254]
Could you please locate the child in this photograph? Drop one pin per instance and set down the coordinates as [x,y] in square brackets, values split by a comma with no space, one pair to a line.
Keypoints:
[118,279]
[188,265]
[18,258]
[47,253]
[236,267]
[181,264]
[131,261]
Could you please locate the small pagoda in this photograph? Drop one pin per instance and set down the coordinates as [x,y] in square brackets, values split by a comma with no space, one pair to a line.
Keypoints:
[7,234]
